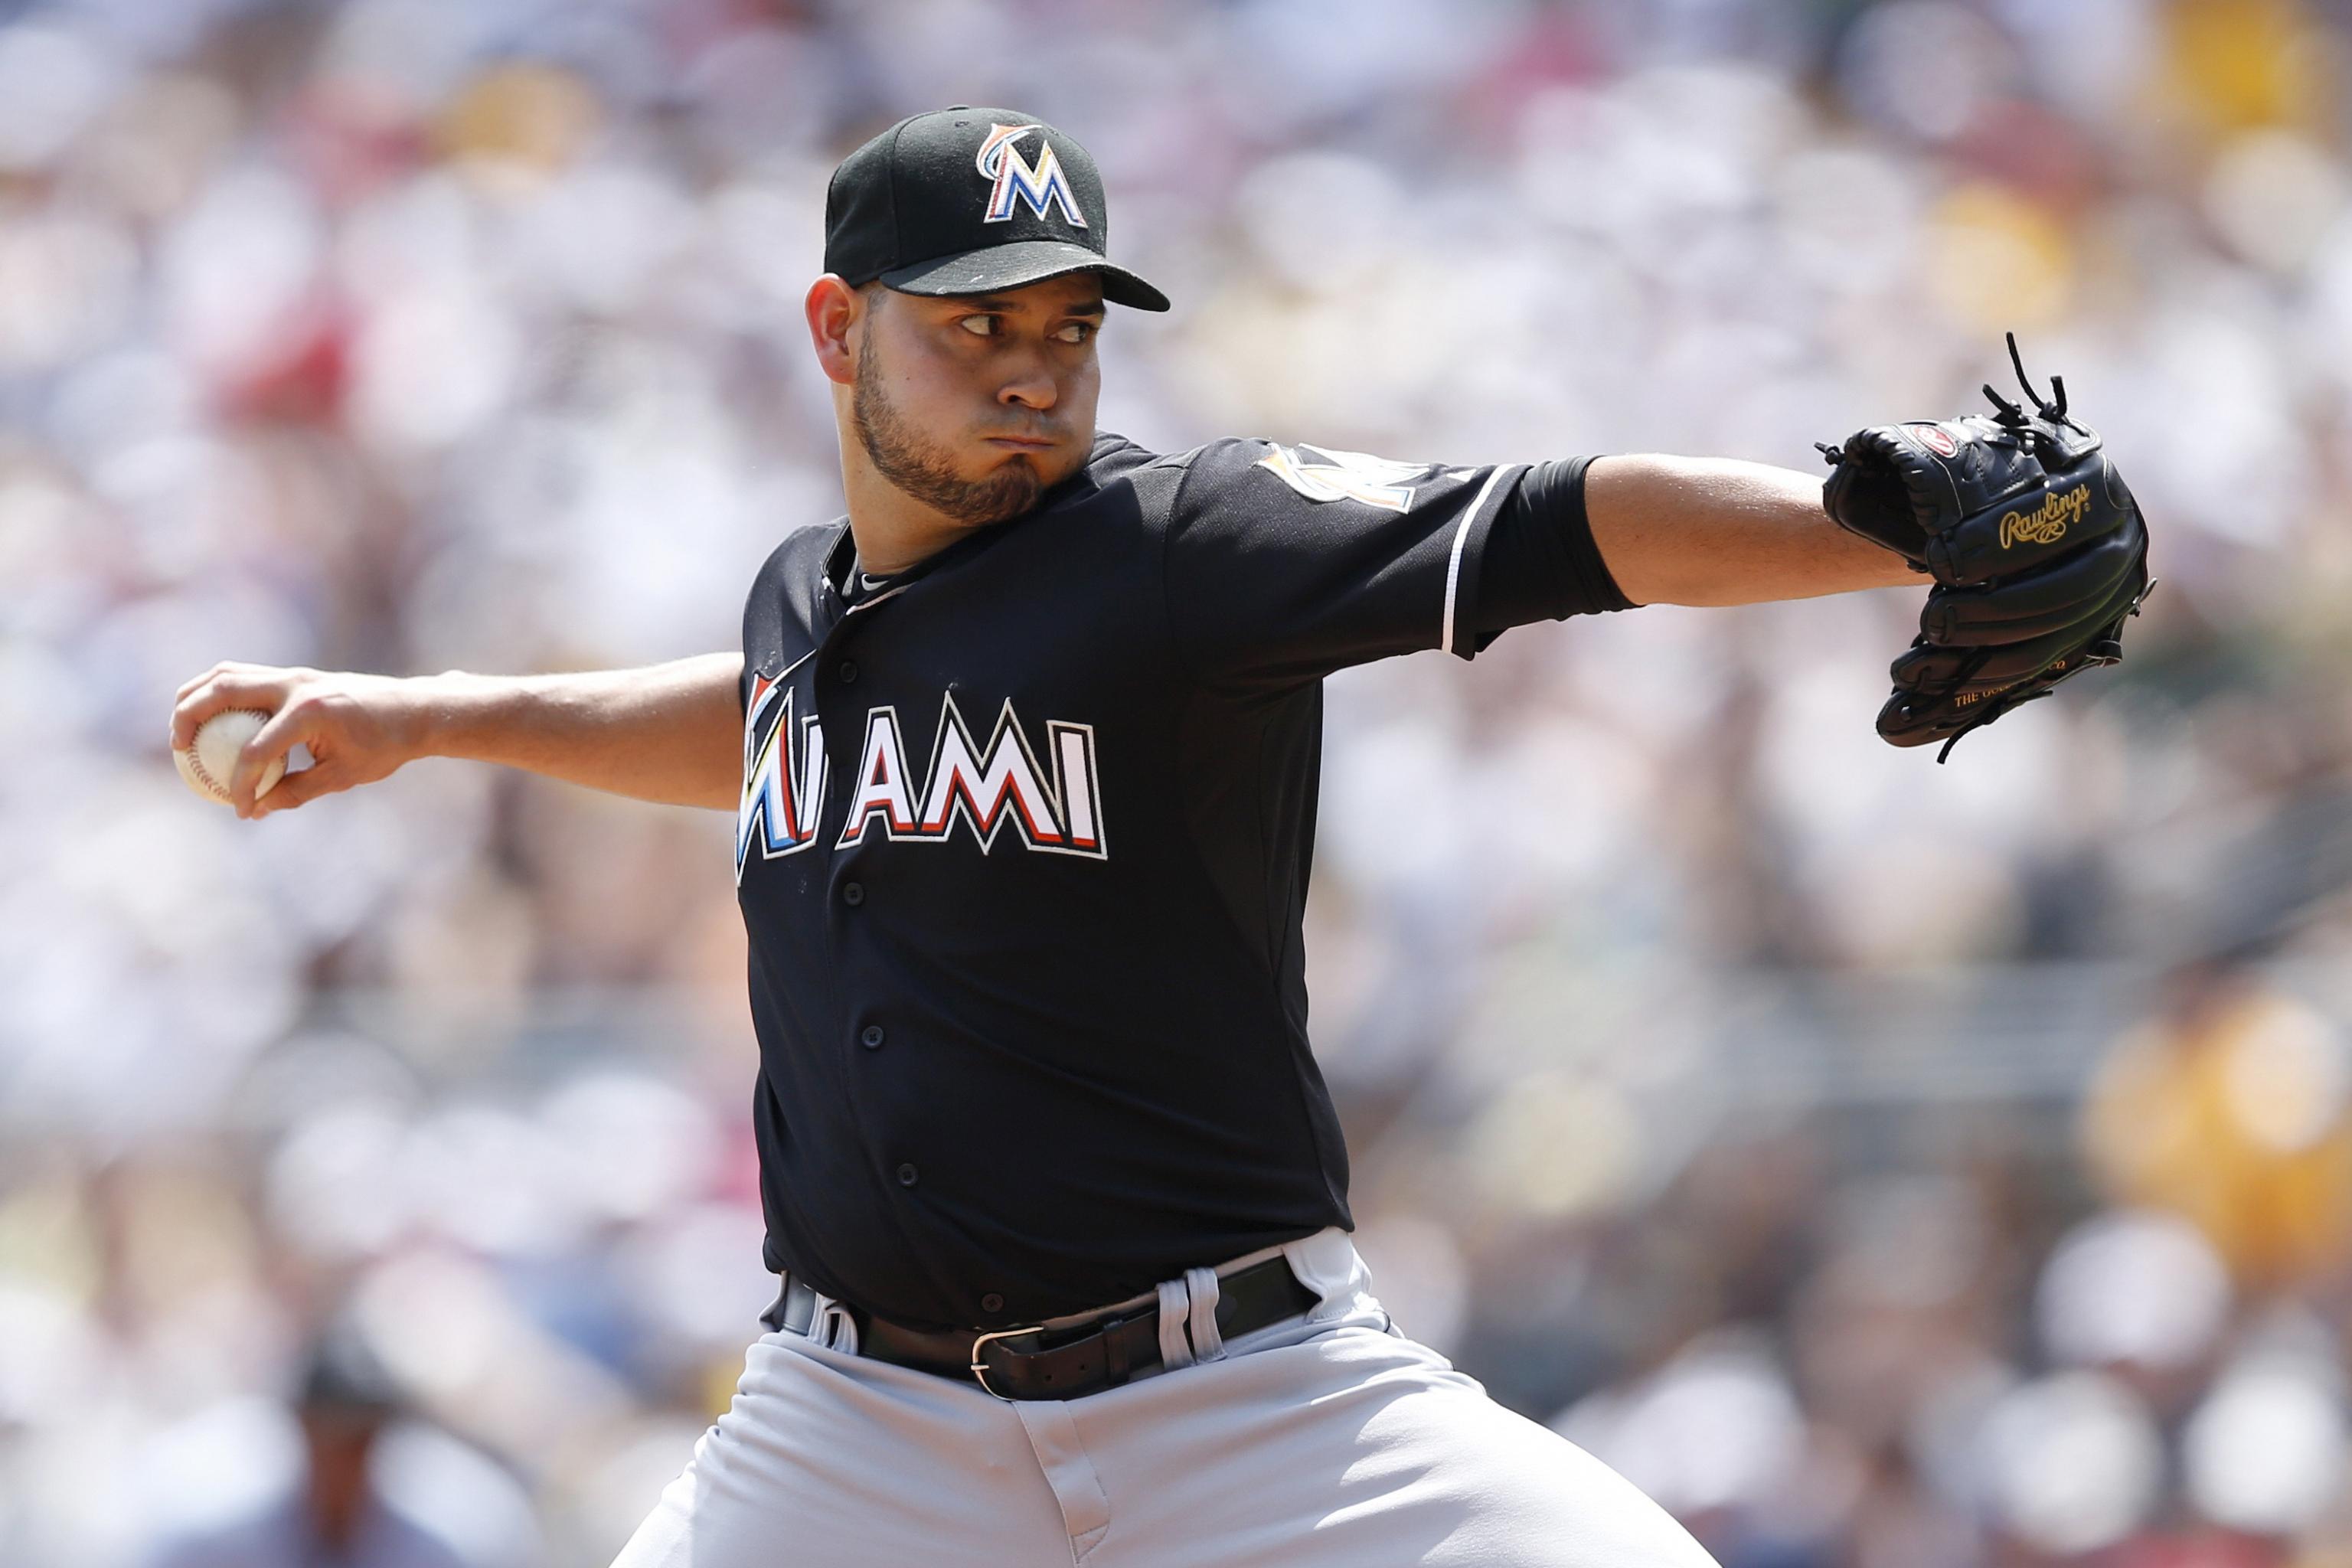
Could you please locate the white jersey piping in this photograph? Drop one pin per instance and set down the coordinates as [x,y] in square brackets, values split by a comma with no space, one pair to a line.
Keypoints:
[1453,562]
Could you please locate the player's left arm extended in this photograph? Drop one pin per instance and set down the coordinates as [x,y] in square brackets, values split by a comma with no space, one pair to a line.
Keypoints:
[1717,530]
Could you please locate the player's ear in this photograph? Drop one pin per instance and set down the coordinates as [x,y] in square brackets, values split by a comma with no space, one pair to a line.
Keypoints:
[834,309]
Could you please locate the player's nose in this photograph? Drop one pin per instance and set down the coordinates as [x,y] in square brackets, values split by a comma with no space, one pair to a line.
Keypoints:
[1031,390]
[1029,383]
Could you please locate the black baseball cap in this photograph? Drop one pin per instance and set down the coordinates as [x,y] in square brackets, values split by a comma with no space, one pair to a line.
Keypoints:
[964,200]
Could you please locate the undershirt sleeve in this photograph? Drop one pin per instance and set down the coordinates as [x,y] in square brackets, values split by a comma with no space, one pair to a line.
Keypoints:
[1540,562]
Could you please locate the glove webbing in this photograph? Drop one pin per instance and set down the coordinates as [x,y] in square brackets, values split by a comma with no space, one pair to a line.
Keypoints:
[2105,650]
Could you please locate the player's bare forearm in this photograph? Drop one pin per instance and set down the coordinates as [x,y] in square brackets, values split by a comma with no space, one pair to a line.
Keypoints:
[1716,531]
[668,733]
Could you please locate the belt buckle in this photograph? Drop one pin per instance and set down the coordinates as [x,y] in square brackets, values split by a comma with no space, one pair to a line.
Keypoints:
[980,1366]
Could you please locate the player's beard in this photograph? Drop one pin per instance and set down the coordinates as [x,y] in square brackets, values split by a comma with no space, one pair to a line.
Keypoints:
[923,468]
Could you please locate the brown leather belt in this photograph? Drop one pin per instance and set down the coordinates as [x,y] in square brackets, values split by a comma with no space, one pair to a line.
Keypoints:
[1099,1352]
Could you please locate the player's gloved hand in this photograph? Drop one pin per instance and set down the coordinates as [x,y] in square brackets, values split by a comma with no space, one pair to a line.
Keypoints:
[2038,551]
[358,728]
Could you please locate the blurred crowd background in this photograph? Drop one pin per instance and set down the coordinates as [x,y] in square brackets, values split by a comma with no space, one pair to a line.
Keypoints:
[1886,1165]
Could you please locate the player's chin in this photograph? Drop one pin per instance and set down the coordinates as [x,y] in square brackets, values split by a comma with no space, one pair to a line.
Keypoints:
[1005,491]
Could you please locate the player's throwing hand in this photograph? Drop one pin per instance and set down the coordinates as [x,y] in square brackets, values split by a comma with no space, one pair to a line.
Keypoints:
[358,728]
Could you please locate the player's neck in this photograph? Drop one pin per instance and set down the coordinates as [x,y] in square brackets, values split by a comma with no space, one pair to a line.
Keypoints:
[893,530]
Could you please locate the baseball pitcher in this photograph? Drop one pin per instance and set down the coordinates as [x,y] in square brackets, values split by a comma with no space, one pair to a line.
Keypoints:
[1023,753]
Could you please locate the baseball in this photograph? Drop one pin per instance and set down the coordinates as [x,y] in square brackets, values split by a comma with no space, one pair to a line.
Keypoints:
[208,759]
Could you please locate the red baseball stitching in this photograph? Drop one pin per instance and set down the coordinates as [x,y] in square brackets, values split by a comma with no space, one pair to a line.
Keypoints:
[196,761]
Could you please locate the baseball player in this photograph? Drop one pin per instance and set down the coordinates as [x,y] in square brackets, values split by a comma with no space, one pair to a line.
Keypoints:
[1023,756]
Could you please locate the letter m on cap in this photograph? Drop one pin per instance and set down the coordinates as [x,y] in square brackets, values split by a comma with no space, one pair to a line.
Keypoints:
[1041,186]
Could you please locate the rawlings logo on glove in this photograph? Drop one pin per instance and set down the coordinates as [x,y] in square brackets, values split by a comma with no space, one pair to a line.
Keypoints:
[2047,525]
[2037,547]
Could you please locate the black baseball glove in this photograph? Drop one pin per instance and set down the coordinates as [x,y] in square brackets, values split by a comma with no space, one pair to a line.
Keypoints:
[2037,548]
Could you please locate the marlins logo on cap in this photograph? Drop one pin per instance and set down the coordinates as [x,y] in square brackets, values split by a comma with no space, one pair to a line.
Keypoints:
[902,208]
[1040,187]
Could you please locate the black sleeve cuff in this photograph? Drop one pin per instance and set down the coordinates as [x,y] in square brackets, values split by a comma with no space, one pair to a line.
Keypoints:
[1540,562]
[1598,592]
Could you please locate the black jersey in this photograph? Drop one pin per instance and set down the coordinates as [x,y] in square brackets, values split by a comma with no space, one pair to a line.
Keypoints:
[1022,856]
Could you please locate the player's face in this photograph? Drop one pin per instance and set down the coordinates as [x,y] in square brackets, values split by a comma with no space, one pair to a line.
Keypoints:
[974,403]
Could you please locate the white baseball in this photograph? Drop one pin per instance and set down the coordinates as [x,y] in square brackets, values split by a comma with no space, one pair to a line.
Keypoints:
[208,759]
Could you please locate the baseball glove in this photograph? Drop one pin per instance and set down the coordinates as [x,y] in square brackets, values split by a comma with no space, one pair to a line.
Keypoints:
[2037,548]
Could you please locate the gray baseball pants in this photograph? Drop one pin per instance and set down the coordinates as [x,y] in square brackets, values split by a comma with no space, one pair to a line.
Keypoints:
[1330,1440]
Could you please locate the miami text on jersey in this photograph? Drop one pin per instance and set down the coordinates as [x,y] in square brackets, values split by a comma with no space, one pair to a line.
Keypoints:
[1054,804]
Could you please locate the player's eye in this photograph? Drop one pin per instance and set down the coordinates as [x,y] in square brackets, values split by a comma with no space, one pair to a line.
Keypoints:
[1082,331]
[987,328]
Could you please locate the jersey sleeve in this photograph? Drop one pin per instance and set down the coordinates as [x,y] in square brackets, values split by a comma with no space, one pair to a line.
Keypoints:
[758,627]
[766,607]
[1539,561]
[1287,562]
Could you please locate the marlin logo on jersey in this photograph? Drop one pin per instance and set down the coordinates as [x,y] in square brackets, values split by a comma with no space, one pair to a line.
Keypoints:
[780,801]
[1055,803]
[1013,177]
[1327,473]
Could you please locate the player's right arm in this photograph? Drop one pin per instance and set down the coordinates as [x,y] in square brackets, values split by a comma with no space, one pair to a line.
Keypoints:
[668,733]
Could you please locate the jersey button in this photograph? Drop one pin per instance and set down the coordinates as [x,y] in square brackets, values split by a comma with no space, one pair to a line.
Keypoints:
[848,670]
[853,893]
[908,1175]
[872,1037]
[991,1302]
